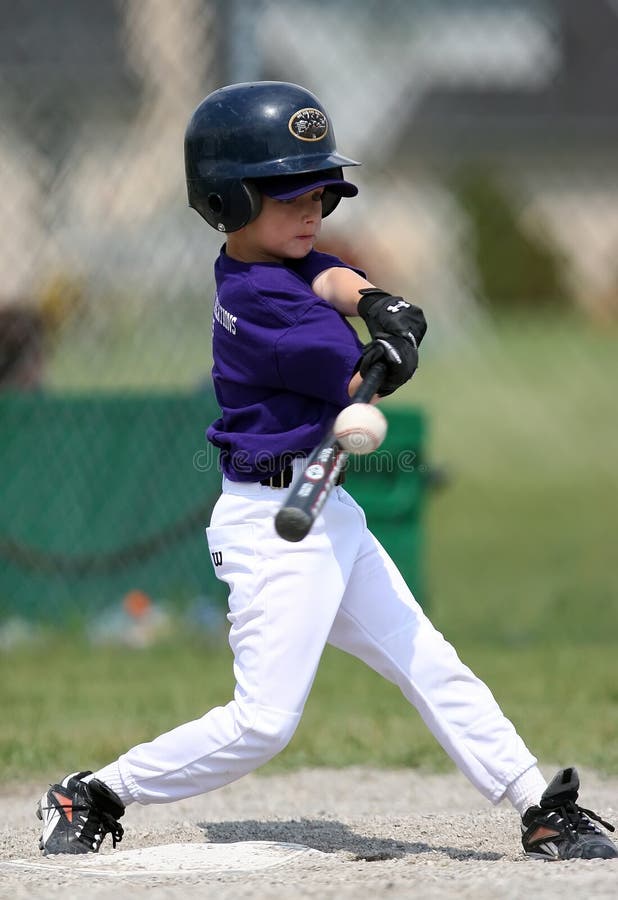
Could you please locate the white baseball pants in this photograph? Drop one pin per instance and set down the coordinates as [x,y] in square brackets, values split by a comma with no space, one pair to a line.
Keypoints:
[286,602]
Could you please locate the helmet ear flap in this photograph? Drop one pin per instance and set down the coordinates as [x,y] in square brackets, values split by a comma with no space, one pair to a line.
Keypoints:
[230,205]
[255,200]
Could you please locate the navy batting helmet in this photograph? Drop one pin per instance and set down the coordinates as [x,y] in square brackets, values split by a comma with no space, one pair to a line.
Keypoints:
[258,130]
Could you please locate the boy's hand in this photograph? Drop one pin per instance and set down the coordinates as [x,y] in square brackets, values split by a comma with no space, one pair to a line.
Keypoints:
[400,356]
[384,313]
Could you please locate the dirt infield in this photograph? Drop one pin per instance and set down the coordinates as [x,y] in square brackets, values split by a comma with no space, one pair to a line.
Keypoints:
[377,834]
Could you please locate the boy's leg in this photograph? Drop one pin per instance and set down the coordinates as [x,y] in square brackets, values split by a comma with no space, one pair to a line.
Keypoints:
[380,622]
[283,600]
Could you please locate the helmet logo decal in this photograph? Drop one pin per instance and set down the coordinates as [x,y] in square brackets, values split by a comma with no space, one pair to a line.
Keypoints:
[308,124]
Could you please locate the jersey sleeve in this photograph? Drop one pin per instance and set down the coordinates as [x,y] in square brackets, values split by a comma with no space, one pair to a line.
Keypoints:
[318,355]
[310,266]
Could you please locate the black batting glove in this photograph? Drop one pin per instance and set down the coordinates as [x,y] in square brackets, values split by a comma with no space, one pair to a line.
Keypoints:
[400,356]
[383,312]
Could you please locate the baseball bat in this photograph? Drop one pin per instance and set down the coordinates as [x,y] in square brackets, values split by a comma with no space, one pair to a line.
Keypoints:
[309,492]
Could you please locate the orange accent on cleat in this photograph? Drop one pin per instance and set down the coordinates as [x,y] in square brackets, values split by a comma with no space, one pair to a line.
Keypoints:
[544,834]
[66,804]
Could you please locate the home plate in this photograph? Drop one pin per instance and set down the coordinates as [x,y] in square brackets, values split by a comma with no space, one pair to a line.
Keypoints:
[173,859]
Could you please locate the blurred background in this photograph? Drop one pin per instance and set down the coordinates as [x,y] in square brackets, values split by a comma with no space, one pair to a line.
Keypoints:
[488,134]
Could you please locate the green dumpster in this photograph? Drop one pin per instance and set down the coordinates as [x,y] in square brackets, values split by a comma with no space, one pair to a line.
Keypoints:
[102,496]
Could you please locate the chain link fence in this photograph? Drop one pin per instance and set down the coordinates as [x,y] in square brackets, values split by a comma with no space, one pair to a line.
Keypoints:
[489,194]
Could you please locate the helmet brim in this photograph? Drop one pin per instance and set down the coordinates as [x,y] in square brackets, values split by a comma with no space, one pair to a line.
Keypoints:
[288,187]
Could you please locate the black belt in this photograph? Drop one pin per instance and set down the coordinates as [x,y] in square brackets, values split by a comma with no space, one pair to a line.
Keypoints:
[283,479]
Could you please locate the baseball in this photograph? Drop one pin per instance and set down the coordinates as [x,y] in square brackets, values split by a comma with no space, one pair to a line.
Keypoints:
[360,428]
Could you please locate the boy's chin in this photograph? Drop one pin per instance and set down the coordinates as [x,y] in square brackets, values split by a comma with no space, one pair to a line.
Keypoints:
[299,249]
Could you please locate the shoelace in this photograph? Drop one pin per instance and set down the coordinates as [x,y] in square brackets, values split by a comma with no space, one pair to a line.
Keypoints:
[575,816]
[105,823]
[110,825]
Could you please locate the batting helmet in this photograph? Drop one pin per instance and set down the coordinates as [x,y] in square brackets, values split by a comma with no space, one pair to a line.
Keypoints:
[258,130]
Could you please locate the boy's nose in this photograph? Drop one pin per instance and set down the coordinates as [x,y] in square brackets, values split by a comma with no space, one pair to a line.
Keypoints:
[312,210]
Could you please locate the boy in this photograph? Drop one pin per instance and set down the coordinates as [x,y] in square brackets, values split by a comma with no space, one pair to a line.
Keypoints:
[262,167]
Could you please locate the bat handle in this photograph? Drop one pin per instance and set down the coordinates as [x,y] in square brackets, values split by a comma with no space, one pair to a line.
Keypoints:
[371,383]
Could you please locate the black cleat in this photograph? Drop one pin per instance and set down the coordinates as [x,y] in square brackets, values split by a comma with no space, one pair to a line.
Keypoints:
[77,815]
[560,829]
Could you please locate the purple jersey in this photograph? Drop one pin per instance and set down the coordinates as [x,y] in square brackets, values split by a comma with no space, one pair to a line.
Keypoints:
[283,359]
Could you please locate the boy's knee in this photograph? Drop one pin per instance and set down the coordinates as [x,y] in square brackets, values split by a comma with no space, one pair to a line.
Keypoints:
[271,731]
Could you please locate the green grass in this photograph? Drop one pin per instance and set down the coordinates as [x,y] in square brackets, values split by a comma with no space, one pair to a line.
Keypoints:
[521,570]
[522,542]
[68,708]
[131,344]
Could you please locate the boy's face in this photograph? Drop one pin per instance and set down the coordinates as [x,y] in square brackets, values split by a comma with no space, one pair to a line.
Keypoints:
[284,229]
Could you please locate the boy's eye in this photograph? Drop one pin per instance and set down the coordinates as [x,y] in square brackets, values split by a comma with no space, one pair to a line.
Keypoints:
[315,196]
